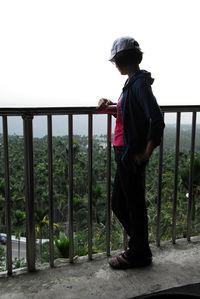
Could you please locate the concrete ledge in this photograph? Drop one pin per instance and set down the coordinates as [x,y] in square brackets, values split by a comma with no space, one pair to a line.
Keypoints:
[173,266]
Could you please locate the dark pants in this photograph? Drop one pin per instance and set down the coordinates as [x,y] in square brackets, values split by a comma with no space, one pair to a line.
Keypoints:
[128,204]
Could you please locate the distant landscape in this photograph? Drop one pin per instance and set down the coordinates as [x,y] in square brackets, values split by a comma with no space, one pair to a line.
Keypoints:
[60,128]
[60,124]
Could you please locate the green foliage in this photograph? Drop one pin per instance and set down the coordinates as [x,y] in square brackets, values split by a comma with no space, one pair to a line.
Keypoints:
[167,205]
[99,192]
[45,254]
[81,244]
[40,224]
[196,173]
[2,187]
[2,258]
[19,220]
[19,263]
[62,245]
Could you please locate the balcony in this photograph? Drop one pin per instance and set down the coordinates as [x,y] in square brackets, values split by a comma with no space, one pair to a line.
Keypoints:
[176,260]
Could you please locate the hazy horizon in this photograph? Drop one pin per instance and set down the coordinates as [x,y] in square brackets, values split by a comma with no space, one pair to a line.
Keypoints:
[60,124]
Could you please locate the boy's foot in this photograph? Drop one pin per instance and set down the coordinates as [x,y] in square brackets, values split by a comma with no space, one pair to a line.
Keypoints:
[122,262]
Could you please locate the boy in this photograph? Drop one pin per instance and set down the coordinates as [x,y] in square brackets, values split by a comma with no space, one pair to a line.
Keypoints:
[139,129]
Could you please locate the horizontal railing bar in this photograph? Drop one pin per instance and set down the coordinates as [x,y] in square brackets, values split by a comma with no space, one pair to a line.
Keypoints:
[51,110]
[181,108]
[14,111]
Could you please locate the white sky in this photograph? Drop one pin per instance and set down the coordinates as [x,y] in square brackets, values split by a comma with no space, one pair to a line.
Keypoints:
[55,52]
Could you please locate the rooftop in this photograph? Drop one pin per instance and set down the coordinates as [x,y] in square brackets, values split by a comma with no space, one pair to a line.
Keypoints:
[174,265]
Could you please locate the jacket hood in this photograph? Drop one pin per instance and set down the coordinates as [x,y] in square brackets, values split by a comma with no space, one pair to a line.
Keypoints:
[139,74]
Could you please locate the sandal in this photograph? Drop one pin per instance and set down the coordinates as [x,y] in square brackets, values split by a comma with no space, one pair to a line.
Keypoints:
[119,262]
[122,262]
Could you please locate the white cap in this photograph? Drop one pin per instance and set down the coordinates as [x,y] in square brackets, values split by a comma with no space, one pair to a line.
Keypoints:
[123,43]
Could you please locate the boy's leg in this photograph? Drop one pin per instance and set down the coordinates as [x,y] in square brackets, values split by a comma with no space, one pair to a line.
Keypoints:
[128,204]
[134,187]
[132,213]
[119,203]
[119,200]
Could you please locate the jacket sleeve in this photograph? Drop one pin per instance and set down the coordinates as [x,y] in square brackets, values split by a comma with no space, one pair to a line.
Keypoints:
[153,113]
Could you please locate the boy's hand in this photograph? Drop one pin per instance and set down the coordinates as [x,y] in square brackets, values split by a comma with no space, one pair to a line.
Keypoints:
[104,103]
[140,158]
[144,157]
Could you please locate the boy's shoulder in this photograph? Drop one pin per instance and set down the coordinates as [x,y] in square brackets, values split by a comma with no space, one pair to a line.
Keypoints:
[140,79]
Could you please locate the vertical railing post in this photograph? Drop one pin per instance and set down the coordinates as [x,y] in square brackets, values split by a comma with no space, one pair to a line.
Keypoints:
[159,193]
[176,177]
[29,191]
[70,153]
[108,212]
[190,200]
[50,178]
[90,137]
[7,198]
[125,239]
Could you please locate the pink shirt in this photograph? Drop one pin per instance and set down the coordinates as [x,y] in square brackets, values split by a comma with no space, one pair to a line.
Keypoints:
[118,134]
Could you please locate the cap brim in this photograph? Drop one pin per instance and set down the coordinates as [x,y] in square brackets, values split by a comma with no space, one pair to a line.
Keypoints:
[111,57]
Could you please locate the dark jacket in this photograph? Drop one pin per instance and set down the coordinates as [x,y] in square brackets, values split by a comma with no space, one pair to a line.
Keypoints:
[142,117]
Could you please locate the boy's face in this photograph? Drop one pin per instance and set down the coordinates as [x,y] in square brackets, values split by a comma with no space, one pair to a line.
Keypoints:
[122,70]
[129,70]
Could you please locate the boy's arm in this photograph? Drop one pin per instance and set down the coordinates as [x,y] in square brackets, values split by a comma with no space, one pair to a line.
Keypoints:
[147,101]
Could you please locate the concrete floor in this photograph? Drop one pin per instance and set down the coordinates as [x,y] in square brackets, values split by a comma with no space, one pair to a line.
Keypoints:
[173,266]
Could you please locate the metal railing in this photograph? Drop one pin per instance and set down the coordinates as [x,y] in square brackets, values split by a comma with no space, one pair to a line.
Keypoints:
[27,114]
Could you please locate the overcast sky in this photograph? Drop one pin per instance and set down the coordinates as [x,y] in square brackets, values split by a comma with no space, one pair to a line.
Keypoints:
[55,52]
